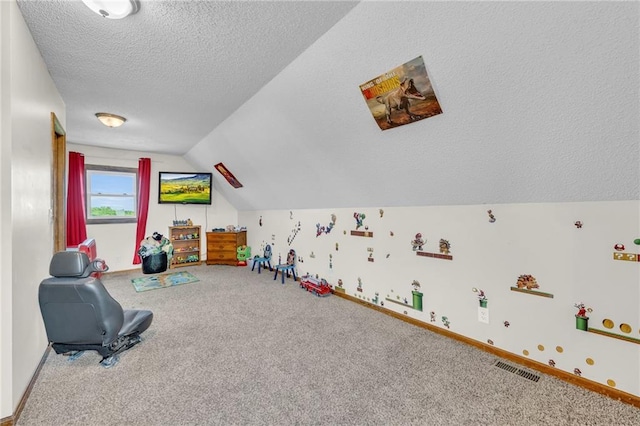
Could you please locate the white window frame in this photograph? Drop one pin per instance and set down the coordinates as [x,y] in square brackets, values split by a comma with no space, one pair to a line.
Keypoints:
[91,169]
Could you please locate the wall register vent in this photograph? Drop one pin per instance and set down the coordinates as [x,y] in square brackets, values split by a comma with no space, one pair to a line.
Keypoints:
[515,370]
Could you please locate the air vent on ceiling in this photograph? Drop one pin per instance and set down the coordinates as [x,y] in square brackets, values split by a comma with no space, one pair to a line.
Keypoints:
[515,370]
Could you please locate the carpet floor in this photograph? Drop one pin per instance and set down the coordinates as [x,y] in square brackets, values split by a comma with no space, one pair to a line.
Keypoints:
[238,348]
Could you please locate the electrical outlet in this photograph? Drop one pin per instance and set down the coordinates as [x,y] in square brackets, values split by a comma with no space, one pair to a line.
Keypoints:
[483,315]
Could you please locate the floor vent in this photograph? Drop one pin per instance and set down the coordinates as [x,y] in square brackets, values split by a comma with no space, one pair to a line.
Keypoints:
[522,373]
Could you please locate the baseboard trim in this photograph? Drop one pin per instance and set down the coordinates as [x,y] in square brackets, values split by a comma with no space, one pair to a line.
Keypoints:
[535,365]
[122,272]
[10,421]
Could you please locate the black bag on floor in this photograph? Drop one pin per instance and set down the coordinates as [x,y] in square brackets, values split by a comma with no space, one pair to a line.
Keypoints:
[154,263]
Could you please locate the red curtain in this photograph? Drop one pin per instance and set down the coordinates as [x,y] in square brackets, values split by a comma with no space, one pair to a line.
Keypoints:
[76,220]
[144,184]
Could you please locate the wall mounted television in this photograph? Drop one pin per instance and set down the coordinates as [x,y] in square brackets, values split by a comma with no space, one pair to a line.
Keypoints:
[184,188]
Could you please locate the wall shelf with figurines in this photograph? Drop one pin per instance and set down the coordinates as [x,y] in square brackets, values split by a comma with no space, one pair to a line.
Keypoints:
[360,217]
[416,298]
[435,255]
[582,323]
[529,285]
[362,234]
[614,335]
[630,257]
[445,248]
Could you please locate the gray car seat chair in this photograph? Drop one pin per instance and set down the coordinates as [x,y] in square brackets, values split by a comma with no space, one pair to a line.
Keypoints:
[79,313]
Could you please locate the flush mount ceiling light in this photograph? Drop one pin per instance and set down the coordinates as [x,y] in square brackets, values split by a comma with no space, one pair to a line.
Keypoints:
[113,9]
[110,120]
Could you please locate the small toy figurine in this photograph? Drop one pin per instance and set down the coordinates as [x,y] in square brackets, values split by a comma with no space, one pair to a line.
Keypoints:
[552,363]
[506,324]
[445,322]
[381,212]
[445,247]
[481,297]
[577,372]
[291,257]
[527,281]
[359,217]
[492,218]
[578,224]
[582,310]
[432,316]
[418,242]
[416,285]
[243,253]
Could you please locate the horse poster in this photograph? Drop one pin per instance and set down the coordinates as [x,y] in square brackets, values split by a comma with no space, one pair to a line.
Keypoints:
[401,96]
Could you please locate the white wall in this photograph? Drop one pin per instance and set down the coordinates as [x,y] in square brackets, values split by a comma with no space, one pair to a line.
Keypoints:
[540,101]
[5,213]
[573,264]
[29,96]
[116,243]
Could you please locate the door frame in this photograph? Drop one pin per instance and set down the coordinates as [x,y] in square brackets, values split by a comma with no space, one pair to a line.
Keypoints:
[59,165]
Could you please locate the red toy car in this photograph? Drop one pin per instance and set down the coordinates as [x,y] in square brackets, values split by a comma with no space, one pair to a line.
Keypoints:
[318,287]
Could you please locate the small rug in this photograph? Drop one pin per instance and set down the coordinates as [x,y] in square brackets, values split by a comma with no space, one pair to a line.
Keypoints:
[152,282]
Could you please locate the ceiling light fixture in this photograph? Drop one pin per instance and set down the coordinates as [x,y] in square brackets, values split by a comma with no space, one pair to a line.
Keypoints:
[113,9]
[110,120]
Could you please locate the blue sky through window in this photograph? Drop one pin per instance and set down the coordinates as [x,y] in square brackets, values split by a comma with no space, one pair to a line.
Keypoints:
[112,184]
[112,189]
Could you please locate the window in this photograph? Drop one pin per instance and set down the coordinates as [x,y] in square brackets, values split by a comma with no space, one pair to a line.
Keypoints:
[111,194]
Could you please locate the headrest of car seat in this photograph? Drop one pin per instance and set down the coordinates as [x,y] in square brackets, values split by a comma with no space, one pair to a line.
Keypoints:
[74,264]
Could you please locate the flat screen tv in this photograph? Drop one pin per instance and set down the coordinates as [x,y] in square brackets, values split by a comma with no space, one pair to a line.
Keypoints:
[184,188]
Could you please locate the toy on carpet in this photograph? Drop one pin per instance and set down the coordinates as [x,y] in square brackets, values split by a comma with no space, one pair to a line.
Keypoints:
[319,287]
[243,253]
[156,252]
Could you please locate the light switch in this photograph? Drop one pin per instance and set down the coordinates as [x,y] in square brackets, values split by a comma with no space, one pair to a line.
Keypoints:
[483,315]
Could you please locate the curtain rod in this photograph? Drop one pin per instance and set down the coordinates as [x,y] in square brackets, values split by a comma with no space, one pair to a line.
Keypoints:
[119,158]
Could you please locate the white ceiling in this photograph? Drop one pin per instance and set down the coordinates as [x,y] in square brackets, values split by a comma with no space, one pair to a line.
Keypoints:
[175,70]
[540,100]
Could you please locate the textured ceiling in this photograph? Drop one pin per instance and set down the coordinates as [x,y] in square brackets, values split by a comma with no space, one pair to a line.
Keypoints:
[176,69]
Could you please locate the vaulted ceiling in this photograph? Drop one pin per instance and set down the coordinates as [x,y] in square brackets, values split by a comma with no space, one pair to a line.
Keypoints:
[175,69]
[540,100]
